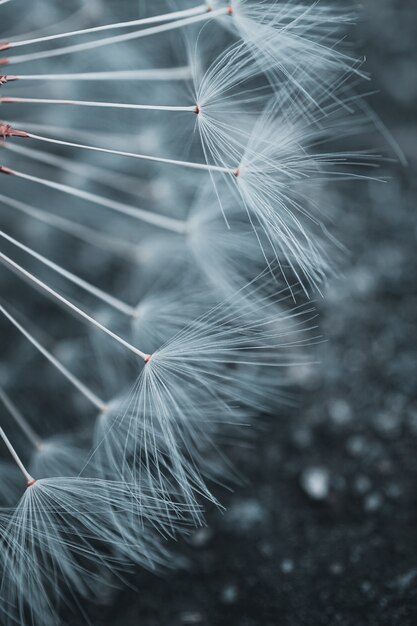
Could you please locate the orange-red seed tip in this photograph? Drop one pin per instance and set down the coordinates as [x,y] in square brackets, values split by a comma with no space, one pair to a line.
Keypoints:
[5,46]
[236,173]
[31,483]
[7,131]
[4,61]
[148,358]
[230,11]
[4,79]
[6,170]
[197,109]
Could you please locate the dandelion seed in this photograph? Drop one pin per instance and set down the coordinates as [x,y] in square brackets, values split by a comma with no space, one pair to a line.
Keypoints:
[116,39]
[107,105]
[154,74]
[188,382]
[62,449]
[167,17]
[266,164]
[203,376]
[142,157]
[60,538]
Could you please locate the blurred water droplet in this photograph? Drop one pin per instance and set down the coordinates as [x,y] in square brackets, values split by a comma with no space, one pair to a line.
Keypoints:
[315,481]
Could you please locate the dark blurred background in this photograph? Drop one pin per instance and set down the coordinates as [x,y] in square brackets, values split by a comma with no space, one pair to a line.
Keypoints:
[324,530]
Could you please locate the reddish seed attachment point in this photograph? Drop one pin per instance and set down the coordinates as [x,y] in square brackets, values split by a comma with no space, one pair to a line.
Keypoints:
[5,46]
[4,61]
[6,170]
[230,11]
[197,109]
[6,79]
[148,358]
[209,8]
[31,483]
[236,173]
[7,131]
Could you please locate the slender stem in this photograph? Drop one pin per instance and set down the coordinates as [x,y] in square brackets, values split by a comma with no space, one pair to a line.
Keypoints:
[90,395]
[103,105]
[157,19]
[66,132]
[29,479]
[81,232]
[144,157]
[117,180]
[162,74]
[137,34]
[82,314]
[20,420]
[115,303]
[160,221]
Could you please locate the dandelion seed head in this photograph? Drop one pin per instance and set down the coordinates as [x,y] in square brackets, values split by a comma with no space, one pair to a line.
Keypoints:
[218,171]
[75,527]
